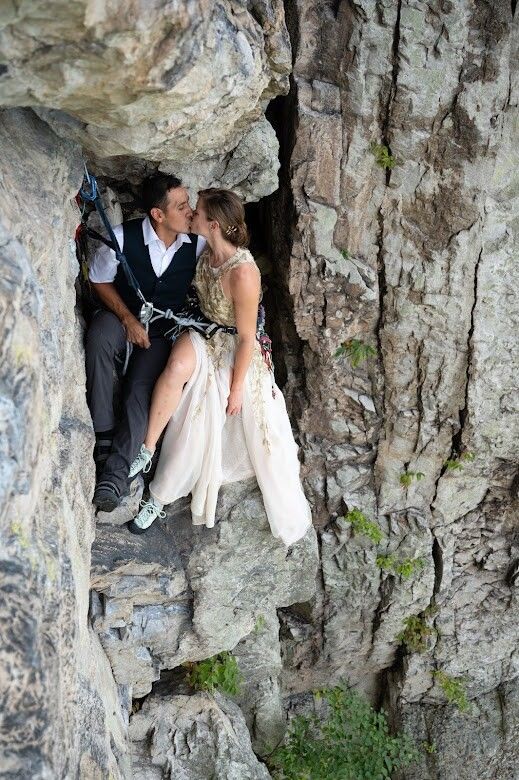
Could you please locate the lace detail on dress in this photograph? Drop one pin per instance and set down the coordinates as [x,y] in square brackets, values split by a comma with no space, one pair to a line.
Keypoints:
[218,308]
[208,283]
[257,369]
[218,348]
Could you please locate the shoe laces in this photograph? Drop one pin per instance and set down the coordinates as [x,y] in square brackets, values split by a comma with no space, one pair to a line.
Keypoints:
[145,457]
[152,509]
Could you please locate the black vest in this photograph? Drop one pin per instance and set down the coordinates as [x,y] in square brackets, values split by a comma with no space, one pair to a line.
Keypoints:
[165,292]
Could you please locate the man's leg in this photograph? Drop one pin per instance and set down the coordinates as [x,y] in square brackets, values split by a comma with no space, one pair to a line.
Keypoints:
[145,367]
[105,340]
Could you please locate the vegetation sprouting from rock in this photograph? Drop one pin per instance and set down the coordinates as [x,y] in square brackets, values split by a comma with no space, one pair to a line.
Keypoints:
[417,632]
[363,526]
[219,673]
[453,689]
[407,477]
[356,351]
[403,567]
[351,742]
[383,158]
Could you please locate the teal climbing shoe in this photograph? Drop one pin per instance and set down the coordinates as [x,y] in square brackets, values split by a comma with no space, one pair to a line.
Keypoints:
[141,463]
[150,510]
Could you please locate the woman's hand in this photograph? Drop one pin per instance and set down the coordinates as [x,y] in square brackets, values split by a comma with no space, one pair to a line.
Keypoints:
[234,401]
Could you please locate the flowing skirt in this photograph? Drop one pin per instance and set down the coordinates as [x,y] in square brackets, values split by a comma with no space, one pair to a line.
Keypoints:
[204,448]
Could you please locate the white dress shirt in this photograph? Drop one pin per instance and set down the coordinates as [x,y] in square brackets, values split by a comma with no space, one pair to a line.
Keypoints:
[103,267]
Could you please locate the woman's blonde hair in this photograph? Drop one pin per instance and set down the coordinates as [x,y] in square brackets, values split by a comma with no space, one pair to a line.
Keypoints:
[226,208]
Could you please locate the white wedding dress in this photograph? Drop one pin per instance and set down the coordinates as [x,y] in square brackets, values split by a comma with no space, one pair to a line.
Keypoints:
[204,448]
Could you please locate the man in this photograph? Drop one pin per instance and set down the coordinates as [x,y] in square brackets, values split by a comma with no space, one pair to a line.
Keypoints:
[162,255]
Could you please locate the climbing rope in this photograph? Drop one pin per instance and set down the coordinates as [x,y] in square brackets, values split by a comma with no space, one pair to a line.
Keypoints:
[190,317]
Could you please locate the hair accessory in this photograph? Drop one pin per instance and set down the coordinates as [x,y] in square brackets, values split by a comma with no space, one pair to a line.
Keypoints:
[231,230]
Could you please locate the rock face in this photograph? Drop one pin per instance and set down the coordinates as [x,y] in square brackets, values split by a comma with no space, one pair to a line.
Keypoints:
[406,229]
[191,737]
[394,227]
[148,81]
[183,594]
[61,708]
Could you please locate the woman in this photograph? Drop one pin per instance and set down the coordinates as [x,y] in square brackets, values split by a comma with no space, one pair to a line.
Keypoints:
[227,420]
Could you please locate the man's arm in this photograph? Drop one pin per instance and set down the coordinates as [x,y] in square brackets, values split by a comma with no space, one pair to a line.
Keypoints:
[102,272]
[135,332]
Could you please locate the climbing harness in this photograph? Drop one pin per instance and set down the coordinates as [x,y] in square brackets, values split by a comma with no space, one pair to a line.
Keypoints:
[189,317]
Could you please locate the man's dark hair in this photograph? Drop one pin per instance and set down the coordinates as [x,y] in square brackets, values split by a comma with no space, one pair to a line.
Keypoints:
[155,190]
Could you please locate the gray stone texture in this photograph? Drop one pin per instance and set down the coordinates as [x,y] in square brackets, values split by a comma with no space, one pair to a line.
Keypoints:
[192,737]
[419,261]
[427,278]
[61,708]
[182,593]
[182,85]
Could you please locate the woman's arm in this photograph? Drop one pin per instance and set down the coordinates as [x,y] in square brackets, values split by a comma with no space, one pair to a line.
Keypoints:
[244,282]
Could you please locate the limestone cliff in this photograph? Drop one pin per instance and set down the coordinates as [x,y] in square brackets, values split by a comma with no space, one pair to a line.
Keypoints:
[394,226]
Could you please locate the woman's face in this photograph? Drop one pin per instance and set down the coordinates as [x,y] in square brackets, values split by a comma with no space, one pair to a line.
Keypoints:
[201,225]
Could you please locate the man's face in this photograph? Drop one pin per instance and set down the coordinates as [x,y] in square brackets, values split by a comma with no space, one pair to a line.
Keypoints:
[177,215]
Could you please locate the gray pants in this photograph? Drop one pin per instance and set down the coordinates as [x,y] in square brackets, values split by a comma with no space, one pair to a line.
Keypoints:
[105,342]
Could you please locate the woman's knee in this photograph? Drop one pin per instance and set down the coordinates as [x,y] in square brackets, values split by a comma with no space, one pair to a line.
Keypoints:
[180,365]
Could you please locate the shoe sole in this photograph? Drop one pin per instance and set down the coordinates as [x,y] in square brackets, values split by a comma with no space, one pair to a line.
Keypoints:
[105,504]
[135,529]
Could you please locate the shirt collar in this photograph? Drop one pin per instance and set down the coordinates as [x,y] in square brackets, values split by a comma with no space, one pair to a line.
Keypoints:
[149,234]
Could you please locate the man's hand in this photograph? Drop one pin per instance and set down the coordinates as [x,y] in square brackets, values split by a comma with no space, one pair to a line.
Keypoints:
[135,332]
[235,401]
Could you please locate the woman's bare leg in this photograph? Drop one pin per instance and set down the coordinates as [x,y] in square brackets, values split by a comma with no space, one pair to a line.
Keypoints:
[167,391]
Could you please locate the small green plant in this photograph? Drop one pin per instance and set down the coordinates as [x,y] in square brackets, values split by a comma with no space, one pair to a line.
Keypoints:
[453,464]
[352,743]
[361,525]
[357,351]
[407,477]
[259,625]
[404,567]
[345,254]
[382,156]
[429,747]
[416,633]
[219,673]
[454,690]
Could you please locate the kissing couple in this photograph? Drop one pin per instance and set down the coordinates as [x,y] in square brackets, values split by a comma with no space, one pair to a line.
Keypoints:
[224,416]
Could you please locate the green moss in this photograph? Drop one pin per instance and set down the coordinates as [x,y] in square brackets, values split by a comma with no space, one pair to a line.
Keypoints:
[453,689]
